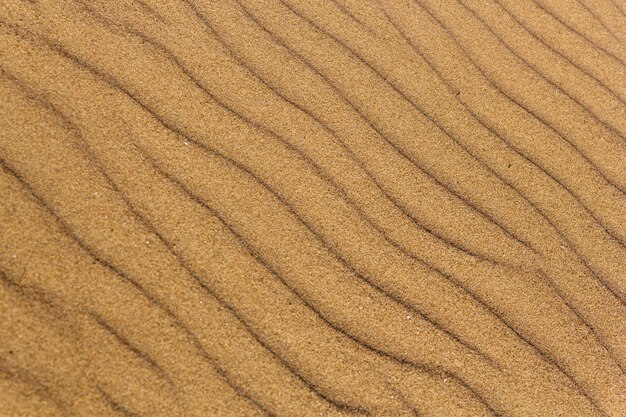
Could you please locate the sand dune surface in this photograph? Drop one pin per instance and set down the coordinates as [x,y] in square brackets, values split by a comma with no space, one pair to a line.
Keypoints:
[312,208]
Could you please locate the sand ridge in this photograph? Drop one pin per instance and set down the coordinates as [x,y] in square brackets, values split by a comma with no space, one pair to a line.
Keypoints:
[294,208]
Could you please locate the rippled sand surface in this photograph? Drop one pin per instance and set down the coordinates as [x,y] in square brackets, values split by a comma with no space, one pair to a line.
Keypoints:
[312,208]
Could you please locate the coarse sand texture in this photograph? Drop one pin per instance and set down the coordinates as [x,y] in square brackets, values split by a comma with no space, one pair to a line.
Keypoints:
[293,208]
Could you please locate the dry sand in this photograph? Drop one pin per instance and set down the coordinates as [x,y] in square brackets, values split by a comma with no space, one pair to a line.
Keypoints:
[312,208]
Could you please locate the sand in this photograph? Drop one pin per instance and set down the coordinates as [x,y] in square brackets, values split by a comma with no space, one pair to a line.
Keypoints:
[312,208]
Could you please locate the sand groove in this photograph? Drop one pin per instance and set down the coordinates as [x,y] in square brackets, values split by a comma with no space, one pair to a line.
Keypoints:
[293,208]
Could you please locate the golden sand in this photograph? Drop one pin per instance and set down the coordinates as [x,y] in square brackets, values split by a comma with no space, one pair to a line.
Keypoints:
[312,208]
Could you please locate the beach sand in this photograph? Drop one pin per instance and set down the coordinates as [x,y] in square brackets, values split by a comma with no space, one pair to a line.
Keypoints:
[312,208]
